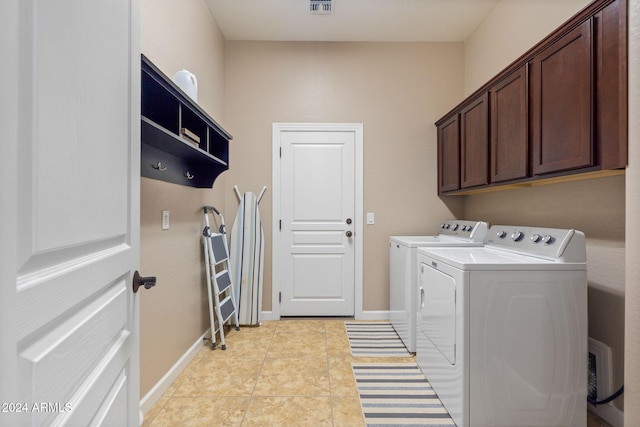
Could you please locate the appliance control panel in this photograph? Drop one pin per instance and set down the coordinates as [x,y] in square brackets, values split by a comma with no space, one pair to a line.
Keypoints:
[474,231]
[566,244]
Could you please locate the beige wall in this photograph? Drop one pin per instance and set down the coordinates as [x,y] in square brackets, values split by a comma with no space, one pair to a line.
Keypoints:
[177,34]
[397,90]
[596,207]
[512,28]
[632,291]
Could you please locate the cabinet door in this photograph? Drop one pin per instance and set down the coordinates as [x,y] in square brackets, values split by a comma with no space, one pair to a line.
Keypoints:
[562,103]
[509,127]
[449,154]
[611,85]
[474,142]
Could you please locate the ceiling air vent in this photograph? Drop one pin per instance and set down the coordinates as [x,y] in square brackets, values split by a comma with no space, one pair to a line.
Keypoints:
[320,7]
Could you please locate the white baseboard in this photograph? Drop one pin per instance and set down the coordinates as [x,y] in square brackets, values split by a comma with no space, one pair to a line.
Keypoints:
[156,392]
[266,315]
[609,413]
[375,315]
[366,315]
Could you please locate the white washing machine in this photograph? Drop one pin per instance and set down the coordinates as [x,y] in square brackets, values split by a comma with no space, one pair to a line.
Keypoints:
[502,330]
[403,280]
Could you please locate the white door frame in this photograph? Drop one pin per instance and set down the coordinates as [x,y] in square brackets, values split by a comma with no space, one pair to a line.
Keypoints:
[357,129]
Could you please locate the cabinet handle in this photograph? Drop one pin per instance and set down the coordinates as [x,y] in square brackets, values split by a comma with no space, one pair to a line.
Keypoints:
[160,167]
[189,176]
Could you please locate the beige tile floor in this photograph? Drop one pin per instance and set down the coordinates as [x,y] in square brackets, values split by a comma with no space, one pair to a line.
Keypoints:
[282,373]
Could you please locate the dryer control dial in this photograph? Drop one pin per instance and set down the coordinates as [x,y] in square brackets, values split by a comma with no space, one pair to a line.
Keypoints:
[535,238]
[454,227]
[501,234]
[517,236]
[548,239]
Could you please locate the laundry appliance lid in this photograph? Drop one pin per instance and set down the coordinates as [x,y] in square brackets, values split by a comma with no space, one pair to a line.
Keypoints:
[484,258]
[421,241]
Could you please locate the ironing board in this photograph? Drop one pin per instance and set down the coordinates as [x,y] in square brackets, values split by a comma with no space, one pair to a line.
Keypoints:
[247,257]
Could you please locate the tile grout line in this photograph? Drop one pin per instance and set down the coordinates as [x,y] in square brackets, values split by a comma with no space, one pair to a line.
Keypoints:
[255,385]
[326,353]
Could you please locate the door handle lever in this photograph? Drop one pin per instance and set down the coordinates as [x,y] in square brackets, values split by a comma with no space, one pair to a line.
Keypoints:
[147,282]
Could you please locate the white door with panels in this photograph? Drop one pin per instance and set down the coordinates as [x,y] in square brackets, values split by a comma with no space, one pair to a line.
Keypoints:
[318,222]
[70,213]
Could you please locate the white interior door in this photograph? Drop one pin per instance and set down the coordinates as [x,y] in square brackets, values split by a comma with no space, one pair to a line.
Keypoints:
[318,222]
[70,214]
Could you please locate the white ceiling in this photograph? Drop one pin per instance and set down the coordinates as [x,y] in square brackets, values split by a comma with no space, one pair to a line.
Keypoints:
[352,20]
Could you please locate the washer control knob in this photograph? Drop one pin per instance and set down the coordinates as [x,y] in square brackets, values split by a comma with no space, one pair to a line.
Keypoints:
[535,238]
[454,227]
[469,228]
[517,236]
[547,239]
[501,234]
[443,225]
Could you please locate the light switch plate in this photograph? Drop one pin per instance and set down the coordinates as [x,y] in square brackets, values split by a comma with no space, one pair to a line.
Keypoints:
[371,218]
[165,220]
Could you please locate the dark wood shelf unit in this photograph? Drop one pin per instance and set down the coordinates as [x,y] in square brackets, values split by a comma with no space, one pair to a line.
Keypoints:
[167,154]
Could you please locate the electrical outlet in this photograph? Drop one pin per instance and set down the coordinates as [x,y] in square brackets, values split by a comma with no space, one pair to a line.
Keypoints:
[600,370]
[165,220]
[592,382]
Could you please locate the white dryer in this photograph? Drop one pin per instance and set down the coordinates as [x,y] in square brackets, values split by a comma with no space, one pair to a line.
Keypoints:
[403,280]
[502,330]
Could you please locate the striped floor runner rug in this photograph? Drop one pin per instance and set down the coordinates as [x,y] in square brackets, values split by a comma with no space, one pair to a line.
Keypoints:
[398,394]
[374,339]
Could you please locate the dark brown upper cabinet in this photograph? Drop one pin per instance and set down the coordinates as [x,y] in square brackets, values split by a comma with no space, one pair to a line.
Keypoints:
[509,127]
[611,85]
[474,142]
[561,86]
[449,153]
[558,110]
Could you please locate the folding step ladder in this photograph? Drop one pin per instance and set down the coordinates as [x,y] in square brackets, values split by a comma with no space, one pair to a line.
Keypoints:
[219,284]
